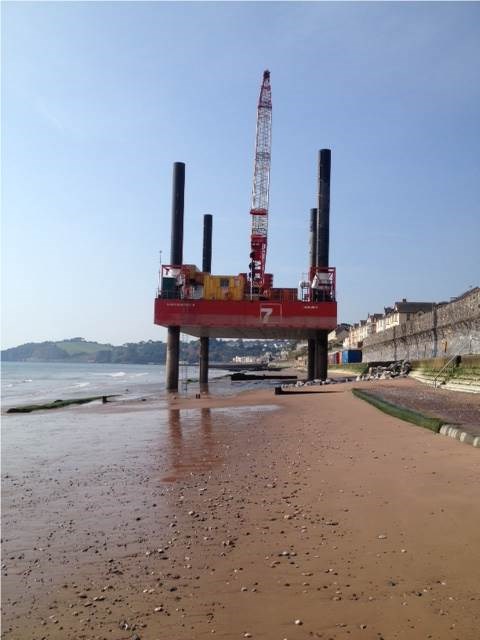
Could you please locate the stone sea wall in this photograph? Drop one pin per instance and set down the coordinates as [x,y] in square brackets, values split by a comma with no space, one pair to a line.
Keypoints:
[450,329]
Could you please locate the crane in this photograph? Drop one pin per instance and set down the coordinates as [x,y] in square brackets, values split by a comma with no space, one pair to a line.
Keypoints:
[258,280]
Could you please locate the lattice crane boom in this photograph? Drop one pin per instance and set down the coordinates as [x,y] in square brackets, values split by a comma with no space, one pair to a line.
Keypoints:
[261,187]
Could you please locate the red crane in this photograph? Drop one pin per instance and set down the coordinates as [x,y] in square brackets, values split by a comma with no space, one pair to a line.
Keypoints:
[258,280]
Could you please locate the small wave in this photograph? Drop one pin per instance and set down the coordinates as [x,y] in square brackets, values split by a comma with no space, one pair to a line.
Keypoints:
[139,375]
[119,374]
[27,380]
[78,385]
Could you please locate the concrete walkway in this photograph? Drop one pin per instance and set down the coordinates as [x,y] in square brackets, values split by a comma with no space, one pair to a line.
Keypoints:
[460,411]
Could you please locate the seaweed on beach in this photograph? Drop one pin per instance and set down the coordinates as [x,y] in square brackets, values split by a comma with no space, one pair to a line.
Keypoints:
[398,411]
[56,404]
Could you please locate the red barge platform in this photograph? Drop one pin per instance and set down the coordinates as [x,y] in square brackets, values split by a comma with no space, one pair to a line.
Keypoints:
[247,318]
[281,316]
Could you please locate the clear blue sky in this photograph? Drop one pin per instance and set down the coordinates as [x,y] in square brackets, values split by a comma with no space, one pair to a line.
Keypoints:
[99,99]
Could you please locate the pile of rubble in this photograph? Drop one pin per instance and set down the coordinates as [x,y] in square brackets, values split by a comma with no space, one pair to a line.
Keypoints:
[399,369]
[310,383]
[316,382]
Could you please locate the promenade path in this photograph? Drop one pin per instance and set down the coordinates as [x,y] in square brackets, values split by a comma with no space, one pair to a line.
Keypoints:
[453,407]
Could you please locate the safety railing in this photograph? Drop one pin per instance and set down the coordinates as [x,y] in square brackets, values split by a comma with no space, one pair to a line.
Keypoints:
[449,362]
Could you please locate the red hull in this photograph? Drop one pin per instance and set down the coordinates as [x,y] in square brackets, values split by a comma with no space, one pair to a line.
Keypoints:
[246,318]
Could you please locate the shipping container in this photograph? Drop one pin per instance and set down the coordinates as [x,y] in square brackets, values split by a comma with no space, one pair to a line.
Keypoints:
[168,284]
[223,287]
[169,287]
[209,284]
[349,356]
[287,294]
[236,288]
[335,357]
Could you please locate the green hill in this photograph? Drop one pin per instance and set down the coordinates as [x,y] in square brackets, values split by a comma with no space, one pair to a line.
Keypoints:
[149,352]
[75,349]
[35,352]
[81,350]
[75,346]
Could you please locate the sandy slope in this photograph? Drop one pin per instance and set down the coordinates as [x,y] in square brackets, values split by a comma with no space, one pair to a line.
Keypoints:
[236,522]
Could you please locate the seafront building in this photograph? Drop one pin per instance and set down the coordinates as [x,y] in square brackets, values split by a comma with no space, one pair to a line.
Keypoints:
[412,330]
[394,316]
[337,336]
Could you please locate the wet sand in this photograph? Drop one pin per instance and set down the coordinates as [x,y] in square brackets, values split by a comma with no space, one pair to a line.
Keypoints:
[255,516]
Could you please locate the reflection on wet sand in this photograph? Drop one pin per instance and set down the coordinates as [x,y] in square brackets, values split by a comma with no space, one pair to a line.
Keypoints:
[207,431]
[191,444]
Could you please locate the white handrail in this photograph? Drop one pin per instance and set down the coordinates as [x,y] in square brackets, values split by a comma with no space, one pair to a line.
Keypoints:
[447,364]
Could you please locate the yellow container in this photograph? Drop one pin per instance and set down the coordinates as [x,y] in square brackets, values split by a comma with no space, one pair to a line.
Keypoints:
[223,287]
[236,288]
[210,287]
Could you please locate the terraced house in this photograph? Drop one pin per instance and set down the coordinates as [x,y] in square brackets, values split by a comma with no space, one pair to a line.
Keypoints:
[401,312]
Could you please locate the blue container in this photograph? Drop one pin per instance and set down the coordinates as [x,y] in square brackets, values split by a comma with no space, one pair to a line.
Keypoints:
[350,356]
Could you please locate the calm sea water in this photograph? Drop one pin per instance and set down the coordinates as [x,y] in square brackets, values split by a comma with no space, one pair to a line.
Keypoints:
[84,438]
[30,382]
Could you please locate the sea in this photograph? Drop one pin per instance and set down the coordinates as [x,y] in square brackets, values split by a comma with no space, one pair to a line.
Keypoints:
[84,438]
[36,382]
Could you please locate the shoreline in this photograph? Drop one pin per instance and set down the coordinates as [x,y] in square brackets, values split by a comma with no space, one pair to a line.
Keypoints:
[235,517]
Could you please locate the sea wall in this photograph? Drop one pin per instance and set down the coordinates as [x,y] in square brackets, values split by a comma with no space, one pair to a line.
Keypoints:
[450,329]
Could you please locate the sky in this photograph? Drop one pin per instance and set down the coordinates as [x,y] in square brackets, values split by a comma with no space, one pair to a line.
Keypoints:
[100,99]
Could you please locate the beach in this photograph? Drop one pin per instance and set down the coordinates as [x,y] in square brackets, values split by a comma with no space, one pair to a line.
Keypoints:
[248,516]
